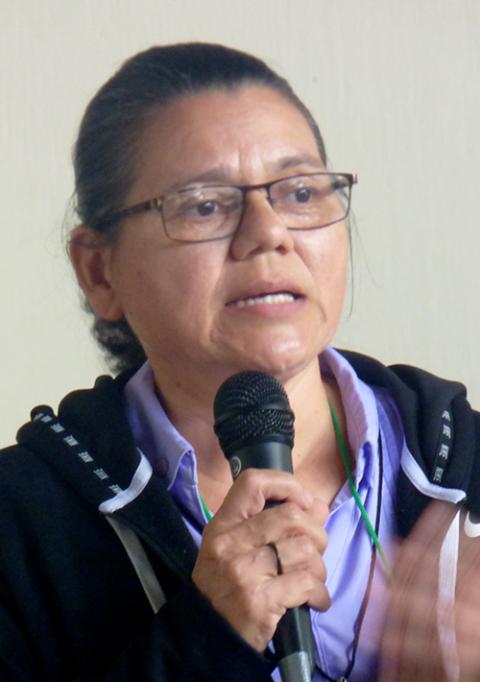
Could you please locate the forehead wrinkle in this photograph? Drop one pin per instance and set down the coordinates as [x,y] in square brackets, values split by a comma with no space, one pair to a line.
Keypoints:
[237,153]
[223,174]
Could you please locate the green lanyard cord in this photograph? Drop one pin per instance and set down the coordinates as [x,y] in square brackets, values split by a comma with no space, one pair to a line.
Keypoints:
[353,488]
[206,510]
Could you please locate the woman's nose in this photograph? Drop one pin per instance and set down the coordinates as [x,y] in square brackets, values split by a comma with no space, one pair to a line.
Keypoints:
[260,229]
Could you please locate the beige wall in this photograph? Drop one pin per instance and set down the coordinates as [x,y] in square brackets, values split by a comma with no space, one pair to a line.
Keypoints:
[395,86]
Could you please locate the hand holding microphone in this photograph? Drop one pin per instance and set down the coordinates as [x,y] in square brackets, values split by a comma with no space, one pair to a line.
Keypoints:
[259,562]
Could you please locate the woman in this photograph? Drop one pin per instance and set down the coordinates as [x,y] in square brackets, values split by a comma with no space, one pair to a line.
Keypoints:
[213,239]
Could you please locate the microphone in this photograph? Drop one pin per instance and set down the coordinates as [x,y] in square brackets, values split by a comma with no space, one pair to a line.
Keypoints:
[254,425]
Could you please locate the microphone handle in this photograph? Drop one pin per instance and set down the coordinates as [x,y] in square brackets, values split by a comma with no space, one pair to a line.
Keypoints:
[294,646]
[293,638]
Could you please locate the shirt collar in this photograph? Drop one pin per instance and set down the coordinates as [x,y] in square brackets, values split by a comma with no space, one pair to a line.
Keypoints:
[167,449]
[360,410]
[152,430]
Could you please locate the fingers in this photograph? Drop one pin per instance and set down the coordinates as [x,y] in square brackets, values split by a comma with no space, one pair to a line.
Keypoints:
[270,525]
[302,582]
[254,487]
[467,608]
[237,570]
[252,597]
[297,588]
[411,648]
[298,553]
[303,570]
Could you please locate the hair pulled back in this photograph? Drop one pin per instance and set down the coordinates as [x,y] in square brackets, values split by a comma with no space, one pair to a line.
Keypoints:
[105,152]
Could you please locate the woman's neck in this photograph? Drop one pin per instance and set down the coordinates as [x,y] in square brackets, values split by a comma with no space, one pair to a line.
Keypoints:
[316,458]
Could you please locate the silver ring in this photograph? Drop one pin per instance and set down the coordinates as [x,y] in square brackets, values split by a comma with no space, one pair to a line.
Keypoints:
[277,557]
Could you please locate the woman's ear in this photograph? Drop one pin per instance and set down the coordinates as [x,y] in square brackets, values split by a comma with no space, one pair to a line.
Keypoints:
[90,255]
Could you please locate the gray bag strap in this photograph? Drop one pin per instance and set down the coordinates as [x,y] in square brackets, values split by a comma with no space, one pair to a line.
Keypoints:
[140,562]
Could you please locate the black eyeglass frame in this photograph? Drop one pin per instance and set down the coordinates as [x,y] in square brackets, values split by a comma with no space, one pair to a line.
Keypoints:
[156,204]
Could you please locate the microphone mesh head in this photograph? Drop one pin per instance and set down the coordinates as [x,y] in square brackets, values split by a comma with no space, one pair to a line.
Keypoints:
[252,407]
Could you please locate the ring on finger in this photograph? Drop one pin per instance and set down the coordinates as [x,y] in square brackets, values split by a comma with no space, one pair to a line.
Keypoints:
[273,546]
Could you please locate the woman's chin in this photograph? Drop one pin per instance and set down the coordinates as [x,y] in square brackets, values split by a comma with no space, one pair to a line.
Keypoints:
[281,360]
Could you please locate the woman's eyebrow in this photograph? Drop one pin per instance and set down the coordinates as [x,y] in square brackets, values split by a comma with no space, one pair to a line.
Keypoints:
[222,174]
[298,160]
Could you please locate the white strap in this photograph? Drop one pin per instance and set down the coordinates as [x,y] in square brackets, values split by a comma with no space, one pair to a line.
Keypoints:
[447,578]
[138,483]
[472,528]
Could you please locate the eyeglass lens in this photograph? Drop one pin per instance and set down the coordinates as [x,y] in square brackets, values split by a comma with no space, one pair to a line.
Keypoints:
[301,202]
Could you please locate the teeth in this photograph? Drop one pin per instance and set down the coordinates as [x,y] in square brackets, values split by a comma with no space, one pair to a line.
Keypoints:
[269,298]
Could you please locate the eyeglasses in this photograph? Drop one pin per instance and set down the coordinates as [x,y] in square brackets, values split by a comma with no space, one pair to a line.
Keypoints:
[208,212]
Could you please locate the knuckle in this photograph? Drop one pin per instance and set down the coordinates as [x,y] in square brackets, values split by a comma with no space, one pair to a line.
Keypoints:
[218,546]
[323,539]
[249,478]
[257,532]
[250,481]
[305,548]
[292,513]
[310,583]
[235,573]
[313,588]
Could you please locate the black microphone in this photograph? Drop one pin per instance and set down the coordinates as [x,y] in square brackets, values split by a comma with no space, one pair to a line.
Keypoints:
[254,425]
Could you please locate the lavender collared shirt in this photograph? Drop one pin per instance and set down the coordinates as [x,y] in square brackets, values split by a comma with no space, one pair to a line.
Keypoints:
[371,417]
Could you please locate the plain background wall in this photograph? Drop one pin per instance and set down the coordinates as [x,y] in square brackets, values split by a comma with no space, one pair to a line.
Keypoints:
[395,87]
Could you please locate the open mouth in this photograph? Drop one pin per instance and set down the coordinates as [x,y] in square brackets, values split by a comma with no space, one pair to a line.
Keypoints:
[266,299]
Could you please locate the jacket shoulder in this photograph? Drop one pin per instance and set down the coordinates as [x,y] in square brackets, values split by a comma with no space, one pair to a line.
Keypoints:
[441,430]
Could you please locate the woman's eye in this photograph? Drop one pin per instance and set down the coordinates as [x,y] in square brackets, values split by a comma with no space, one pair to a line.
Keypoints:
[339,185]
[205,209]
[302,195]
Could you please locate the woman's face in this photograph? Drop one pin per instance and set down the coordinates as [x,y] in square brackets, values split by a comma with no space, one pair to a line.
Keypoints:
[186,302]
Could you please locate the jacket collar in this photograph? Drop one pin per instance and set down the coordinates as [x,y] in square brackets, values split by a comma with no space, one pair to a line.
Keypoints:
[91,448]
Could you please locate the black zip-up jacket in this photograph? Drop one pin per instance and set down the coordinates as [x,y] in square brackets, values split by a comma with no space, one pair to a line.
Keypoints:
[90,539]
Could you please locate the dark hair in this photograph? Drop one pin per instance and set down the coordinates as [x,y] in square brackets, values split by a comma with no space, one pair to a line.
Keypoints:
[105,151]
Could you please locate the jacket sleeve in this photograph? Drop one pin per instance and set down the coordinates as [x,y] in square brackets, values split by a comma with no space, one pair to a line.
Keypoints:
[187,641]
[16,660]
[72,608]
